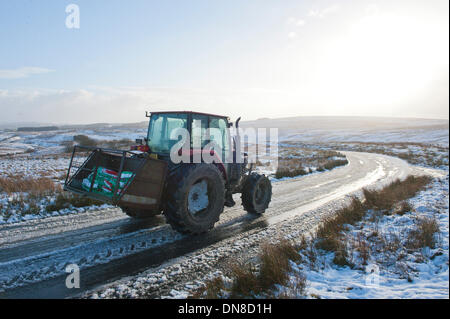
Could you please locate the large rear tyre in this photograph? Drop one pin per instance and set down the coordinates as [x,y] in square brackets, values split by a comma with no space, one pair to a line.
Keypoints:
[194,198]
[138,213]
[256,193]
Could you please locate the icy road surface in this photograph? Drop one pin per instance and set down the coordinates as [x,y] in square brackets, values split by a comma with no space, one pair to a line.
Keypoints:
[107,245]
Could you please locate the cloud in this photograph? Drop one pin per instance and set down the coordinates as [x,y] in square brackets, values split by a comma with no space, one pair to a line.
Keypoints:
[23,72]
[128,104]
[296,22]
[124,104]
[322,13]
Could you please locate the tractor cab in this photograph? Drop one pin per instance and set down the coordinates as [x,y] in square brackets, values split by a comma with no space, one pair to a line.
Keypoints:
[202,130]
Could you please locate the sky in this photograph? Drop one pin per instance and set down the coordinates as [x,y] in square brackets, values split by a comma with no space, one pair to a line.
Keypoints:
[249,58]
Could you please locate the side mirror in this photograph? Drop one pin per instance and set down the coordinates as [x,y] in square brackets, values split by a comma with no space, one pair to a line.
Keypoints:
[139,141]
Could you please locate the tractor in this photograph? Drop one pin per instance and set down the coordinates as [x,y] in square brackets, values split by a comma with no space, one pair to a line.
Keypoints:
[188,178]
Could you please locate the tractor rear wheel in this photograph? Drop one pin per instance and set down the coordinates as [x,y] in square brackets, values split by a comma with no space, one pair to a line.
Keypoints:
[256,193]
[138,213]
[194,198]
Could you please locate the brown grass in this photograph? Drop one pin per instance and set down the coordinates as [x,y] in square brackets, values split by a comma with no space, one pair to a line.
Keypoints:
[402,208]
[293,161]
[275,263]
[335,163]
[293,167]
[423,235]
[285,172]
[84,140]
[329,234]
[362,247]
[391,199]
[390,242]
[247,281]
[66,200]
[36,186]
[212,290]
[397,191]
[28,192]
[273,270]
[295,288]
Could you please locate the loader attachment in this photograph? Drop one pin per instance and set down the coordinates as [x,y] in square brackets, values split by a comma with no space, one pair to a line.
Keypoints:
[120,178]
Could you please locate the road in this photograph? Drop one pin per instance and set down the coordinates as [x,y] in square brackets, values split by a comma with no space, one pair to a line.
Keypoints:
[108,245]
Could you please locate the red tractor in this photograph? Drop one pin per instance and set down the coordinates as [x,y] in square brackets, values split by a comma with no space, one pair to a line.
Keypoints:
[191,193]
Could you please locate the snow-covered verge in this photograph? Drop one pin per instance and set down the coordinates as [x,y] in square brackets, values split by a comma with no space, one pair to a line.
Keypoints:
[286,162]
[50,142]
[421,154]
[387,257]
[426,155]
[390,267]
[409,135]
[19,207]
[51,166]
[30,200]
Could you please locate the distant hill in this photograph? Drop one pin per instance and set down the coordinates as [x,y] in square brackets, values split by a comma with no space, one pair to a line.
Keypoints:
[15,125]
[357,129]
[345,122]
[37,129]
[304,128]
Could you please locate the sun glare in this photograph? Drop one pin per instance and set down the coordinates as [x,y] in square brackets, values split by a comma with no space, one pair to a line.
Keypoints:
[382,59]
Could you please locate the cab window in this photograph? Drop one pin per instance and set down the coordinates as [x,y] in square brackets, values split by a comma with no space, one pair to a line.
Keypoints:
[160,129]
[220,135]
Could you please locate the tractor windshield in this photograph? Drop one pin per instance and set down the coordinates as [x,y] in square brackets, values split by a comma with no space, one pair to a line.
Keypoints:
[160,128]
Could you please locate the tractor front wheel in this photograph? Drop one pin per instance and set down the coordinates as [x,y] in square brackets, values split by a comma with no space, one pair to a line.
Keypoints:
[256,193]
[194,198]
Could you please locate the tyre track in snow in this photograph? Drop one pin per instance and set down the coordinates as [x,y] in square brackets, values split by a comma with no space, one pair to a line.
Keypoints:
[122,247]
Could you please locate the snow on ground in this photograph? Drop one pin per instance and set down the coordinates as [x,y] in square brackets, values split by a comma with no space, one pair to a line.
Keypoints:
[321,129]
[21,206]
[404,273]
[287,157]
[33,166]
[426,155]
[427,269]
[436,136]
[51,142]
[11,213]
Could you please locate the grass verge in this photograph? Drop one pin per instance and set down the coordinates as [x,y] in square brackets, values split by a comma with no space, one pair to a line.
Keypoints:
[274,269]
[251,280]
[293,165]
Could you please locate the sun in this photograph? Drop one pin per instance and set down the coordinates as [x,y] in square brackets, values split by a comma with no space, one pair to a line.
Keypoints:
[382,58]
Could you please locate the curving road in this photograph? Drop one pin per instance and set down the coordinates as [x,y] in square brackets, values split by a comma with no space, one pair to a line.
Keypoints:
[107,245]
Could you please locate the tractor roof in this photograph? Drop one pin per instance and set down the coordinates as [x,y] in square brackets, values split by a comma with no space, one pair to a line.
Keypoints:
[187,112]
